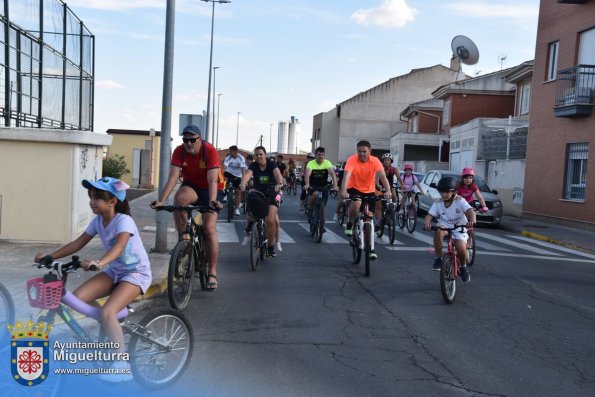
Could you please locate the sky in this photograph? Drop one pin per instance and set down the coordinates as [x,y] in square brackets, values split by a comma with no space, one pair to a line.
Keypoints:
[286,58]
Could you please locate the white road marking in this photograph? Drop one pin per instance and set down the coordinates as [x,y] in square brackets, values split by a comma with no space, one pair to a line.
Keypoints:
[516,255]
[154,229]
[284,237]
[554,246]
[393,248]
[522,246]
[328,237]
[226,232]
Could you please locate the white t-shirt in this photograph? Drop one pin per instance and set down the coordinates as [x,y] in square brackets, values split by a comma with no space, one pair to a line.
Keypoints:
[451,216]
[235,166]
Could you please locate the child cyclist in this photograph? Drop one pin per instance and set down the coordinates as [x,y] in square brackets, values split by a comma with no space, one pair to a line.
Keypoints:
[451,210]
[467,188]
[125,268]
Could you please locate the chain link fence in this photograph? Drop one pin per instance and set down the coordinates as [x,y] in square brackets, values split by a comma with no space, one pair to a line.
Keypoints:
[47,61]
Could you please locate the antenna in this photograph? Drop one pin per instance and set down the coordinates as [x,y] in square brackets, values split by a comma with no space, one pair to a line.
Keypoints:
[502,60]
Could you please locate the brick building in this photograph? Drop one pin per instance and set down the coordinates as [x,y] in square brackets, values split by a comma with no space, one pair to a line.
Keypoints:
[559,179]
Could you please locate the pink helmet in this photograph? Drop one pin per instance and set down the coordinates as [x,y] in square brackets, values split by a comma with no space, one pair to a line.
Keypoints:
[408,167]
[467,171]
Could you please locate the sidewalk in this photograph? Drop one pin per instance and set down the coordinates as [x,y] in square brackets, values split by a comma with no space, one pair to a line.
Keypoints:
[579,239]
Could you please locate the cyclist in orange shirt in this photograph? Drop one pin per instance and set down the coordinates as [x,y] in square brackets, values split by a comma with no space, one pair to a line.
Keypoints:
[361,171]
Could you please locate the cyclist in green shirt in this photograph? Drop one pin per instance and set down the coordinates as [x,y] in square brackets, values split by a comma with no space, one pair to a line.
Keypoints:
[316,177]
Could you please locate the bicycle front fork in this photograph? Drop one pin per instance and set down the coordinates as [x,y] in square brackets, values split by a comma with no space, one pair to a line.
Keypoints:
[361,234]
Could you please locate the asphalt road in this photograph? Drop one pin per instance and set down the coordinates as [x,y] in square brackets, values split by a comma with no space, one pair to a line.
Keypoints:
[309,323]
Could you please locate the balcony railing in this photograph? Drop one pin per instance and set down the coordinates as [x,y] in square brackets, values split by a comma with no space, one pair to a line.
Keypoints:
[574,91]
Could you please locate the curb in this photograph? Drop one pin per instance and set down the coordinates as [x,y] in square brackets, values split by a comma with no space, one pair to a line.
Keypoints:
[541,237]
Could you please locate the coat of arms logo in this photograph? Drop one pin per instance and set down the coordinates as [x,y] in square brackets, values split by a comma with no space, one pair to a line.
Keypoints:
[29,352]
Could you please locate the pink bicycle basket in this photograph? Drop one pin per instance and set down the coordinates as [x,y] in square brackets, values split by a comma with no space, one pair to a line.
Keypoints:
[44,295]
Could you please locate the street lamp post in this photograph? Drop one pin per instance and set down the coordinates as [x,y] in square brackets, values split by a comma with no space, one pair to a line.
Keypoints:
[218,112]
[238,128]
[206,137]
[214,93]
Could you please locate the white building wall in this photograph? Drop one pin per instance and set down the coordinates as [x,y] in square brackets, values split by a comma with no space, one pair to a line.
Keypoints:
[374,114]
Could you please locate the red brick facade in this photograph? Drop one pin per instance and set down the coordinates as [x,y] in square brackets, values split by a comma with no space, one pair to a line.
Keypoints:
[466,107]
[549,135]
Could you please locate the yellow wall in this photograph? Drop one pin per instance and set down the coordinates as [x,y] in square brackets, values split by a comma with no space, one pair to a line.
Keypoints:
[124,145]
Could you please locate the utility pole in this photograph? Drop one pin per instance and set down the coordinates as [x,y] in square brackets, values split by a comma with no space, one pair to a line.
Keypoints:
[161,217]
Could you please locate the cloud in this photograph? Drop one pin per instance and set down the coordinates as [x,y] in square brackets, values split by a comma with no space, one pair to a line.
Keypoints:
[109,84]
[390,13]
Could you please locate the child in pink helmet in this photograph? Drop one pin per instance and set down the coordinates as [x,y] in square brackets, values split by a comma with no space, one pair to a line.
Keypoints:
[467,188]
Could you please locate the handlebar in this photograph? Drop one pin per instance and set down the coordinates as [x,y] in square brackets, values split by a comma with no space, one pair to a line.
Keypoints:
[48,262]
[462,228]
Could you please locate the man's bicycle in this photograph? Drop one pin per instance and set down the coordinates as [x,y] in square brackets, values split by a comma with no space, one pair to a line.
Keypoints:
[342,214]
[362,238]
[160,344]
[316,217]
[389,219]
[449,271]
[188,258]
[408,212]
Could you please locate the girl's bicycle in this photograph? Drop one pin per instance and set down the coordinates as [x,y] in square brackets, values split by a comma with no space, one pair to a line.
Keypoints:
[160,345]
[362,238]
[6,313]
[450,265]
[189,257]
[231,200]
[408,213]
[258,235]
[389,219]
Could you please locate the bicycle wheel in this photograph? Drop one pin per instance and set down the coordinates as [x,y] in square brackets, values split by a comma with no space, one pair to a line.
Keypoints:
[367,246]
[390,224]
[380,230]
[356,251]
[231,199]
[471,249]
[180,275]
[162,351]
[201,265]
[319,225]
[401,219]
[313,222]
[411,218]
[342,211]
[6,314]
[448,284]
[256,247]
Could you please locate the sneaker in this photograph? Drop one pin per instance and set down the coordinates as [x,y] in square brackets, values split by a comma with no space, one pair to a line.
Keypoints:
[278,246]
[437,264]
[373,255]
[224,201]
[237,212]
[271,252]
[335,217]
[121,372]
[246,240]
[465,276]
[349,229]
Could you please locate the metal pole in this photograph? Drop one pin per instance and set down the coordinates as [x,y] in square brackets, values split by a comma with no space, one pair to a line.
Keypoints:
[218,112]
[206,137]
[238,128]
[162,217]
[214,93]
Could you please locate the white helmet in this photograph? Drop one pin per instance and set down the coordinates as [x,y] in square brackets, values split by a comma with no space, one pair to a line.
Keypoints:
[387,156]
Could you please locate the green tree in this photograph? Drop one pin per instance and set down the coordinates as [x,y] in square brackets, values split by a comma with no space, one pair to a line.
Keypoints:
[115,166]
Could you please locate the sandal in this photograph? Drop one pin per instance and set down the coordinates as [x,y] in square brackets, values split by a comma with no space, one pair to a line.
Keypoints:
[211,285]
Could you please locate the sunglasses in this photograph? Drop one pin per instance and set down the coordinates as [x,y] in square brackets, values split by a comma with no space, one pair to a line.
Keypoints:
[191,140]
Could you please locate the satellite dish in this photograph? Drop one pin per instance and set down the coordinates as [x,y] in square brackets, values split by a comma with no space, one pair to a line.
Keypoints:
[465,49]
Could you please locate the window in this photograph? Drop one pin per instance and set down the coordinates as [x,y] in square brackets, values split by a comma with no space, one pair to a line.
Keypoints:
[525,95]
[446,113]
[576,171]
[552,67]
